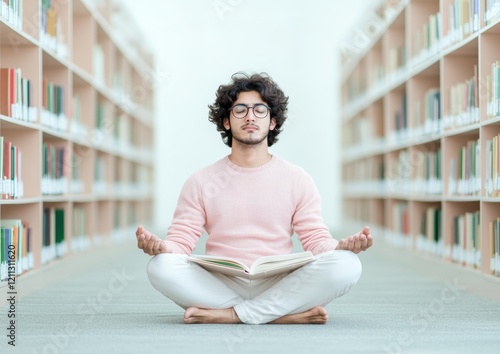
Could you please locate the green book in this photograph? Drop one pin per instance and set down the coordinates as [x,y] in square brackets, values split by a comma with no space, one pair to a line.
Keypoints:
[59,231]
[2,247]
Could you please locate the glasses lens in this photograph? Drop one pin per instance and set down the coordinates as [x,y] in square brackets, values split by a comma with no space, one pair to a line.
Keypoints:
[260,111]
[240,110]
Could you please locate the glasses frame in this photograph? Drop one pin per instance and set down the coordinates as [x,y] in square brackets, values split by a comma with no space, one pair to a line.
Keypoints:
[248,110]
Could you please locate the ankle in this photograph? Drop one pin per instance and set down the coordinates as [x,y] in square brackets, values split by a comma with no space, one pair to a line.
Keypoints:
[234,316]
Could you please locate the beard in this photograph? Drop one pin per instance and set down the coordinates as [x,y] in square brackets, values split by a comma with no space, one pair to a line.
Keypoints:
[249,141]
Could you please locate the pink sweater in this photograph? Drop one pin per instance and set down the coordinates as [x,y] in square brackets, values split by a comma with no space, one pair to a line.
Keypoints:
[249,213]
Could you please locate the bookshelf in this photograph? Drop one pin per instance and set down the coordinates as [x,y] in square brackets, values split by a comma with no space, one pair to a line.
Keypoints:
[421,128]
[76,127]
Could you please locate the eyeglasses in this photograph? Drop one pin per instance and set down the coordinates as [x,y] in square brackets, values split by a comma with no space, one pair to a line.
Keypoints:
[240,110]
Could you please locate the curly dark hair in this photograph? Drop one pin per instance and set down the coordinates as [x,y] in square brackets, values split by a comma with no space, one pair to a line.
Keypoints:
[270,93]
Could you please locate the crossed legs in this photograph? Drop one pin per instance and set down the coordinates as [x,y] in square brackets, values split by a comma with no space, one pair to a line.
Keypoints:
[297,297]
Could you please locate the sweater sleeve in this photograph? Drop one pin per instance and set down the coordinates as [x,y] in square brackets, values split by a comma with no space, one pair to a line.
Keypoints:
[307,221]
[189,219]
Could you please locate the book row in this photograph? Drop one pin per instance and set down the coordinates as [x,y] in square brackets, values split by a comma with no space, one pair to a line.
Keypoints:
[465,246]
[421,133]
[16,94]
[12,12]
[11,185]
[16,248]
[421,171]
[17,242]
[462,109]
[64,172]
[16,102]
[51,31]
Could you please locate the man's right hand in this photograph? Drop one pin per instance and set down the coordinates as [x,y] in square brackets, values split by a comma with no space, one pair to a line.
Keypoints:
[149,243]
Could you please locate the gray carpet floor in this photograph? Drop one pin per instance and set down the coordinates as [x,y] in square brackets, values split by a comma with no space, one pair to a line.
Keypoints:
[101,302]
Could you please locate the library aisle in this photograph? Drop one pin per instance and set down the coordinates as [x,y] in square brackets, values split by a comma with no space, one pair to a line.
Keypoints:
[101,301]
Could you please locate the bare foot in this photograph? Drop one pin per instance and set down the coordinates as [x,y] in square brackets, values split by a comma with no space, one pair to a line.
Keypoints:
[316,315]
[200,315]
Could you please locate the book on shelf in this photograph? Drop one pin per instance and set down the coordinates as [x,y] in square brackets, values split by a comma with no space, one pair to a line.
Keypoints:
[51,27]
[491,11]
[15,247]
[429,121]
[492,177]
[467,239]
[53,106]
[493,90]
[463,19]
[463,106]
[11,161]
[53,235]
[16,95]
[494,238]
[261,268]
[12,12]
[431,238]
[465,174]
[55,169]
[79,239]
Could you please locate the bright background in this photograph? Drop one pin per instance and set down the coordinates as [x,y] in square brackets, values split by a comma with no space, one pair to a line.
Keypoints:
[199,44]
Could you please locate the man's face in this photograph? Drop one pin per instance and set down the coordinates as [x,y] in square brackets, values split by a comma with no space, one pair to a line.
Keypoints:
[250,130]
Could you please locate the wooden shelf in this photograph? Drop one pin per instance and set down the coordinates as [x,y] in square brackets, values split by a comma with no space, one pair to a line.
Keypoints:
[420,131]
[86,155]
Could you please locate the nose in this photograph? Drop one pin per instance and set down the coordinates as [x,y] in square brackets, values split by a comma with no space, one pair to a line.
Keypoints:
[250,114]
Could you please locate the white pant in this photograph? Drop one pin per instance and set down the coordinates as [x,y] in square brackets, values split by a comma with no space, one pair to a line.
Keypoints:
[331,275]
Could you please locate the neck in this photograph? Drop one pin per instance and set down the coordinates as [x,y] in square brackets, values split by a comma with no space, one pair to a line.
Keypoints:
[249,156]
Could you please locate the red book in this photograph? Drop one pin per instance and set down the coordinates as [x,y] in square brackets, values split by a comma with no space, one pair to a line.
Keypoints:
[7,171]
[5,107]
[12,88]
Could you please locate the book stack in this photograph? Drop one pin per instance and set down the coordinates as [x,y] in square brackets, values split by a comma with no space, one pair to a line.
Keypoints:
[426,172]
[12,12]
[16,248]
[430,238]
[53,108]
[465,170]
[16,94]
[55,169]
[492,163]
[428,119]
[52,32]
[491,11]
[494,239]
[53,236]
[463,104]
[466,247]
[493,90]
[427,41]
[462,20]
[11,186]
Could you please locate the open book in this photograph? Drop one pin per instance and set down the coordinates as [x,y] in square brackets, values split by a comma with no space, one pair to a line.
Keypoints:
[261,268]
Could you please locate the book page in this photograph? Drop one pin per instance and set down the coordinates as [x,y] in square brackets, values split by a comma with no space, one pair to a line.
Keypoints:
[263,267]
[280,261]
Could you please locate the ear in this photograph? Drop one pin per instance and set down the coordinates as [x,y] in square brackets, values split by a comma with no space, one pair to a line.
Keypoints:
[226,123]
[272,125]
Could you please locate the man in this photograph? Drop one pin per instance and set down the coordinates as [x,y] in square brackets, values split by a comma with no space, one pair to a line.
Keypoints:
[251,203]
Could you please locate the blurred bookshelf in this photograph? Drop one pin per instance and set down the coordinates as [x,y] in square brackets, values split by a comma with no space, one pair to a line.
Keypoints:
[421,128]
[76,127]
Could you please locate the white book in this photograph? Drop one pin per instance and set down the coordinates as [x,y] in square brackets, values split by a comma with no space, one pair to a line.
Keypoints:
[261,268]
